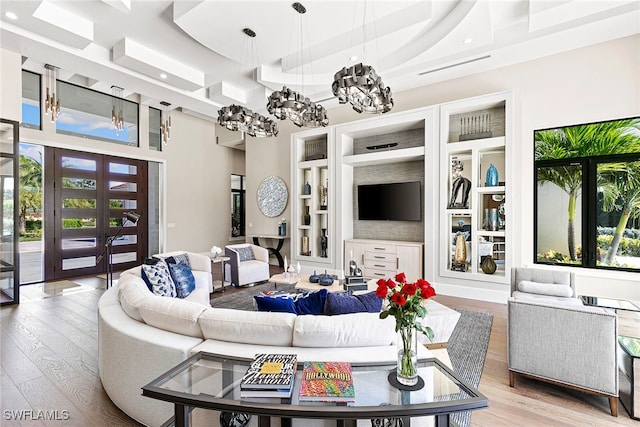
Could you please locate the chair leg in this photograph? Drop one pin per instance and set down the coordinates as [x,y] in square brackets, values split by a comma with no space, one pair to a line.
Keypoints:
[512,379]
[613,405]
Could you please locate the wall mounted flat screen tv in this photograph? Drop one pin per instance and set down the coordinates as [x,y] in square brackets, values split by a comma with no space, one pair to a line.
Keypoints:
[399,201]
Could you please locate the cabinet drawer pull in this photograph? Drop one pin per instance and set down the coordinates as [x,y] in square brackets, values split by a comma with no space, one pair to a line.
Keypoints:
[378,265]
[379,274]
[379,249]
[379,257]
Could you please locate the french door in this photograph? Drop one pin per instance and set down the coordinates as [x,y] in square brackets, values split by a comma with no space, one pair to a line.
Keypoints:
[86,197]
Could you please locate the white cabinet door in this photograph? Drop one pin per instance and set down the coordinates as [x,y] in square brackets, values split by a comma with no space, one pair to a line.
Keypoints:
[354,251]
[410,261]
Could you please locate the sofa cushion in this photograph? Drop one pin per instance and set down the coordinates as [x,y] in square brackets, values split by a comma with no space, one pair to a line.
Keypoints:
[159,277]
[346,330]
[344,303]
[247,327]
[172,314]
[281,304]
[245,253]
[551,289]
[183,279]
[132,291]
[311,302]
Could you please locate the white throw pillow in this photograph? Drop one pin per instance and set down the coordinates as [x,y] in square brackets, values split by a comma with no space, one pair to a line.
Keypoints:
[551,289]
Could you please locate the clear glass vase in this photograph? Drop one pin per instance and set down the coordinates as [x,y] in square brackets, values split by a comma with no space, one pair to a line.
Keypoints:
[407,364]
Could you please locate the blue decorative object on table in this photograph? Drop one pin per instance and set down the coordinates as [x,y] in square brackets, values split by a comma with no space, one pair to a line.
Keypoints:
[314,277]
[492,176]
[325,279]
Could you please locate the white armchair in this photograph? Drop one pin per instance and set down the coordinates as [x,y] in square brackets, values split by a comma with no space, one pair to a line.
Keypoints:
[553,337]
[247,264]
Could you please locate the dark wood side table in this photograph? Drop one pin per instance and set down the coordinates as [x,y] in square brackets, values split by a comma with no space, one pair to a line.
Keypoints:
[275,251]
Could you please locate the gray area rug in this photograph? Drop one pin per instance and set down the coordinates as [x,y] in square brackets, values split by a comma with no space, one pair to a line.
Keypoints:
[467,346]
[467,349]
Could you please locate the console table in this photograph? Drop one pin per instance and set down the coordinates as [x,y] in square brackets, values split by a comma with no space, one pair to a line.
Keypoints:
[275,251]
[212,381]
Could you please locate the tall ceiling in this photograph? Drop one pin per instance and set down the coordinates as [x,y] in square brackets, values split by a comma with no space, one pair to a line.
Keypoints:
[194,54]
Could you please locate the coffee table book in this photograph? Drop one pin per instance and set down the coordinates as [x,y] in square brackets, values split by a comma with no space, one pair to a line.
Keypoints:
[326,382]
[270,373]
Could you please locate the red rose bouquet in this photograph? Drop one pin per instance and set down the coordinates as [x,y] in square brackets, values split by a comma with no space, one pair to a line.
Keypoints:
[405,303]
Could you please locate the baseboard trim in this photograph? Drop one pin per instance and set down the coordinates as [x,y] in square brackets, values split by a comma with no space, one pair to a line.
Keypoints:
[488,295]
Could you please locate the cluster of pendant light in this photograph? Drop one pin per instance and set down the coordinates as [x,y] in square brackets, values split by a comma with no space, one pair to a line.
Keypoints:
[359,85]
[52,101]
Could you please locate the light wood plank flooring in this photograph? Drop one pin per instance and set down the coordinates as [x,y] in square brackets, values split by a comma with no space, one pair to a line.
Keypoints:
[49,356]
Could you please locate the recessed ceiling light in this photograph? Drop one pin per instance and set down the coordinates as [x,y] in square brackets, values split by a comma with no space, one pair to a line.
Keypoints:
[468,40]
[163,76]
[353,58]
[11,15]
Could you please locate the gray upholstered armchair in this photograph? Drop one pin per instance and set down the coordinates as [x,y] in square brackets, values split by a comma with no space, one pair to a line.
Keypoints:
[247,264]
[554,338]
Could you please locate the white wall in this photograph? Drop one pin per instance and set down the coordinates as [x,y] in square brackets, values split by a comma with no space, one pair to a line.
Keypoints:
[10,85]
[585,85]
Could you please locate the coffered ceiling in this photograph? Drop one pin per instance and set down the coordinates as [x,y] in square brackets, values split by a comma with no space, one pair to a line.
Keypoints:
[194,54]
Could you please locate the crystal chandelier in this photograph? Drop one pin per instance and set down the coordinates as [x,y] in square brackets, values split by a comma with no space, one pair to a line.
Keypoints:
[51,103]
[289,104]
[117,116]
[362,87]
[165,122]
[239,118]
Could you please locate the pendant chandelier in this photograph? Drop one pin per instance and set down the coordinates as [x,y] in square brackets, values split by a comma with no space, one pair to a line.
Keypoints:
[289,104]
[52,102]
[165,122]
[361,86]
[117,116]
[239,118]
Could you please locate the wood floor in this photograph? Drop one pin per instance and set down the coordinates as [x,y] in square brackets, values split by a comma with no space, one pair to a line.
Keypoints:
[49,356]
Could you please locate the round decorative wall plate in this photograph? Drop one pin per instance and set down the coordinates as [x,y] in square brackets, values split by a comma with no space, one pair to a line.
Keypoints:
[272,196]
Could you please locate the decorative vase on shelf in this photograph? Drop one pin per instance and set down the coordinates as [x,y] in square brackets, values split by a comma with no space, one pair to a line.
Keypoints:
[492,176]
[488,265]
[307,189]
[324,240]
[493,219]
[407,364]
[460,255]
[306,218]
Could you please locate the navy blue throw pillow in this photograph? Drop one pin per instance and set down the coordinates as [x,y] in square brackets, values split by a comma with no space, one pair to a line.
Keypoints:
[183,279]
[271,303]
[311,302]
[344,303]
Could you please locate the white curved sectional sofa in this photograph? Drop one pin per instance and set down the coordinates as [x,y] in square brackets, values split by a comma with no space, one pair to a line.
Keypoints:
[142,335]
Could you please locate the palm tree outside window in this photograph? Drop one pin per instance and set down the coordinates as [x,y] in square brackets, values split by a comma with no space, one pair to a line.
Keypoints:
[587,195]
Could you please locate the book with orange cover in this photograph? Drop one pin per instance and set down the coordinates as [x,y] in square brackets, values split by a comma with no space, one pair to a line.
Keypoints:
[327,382]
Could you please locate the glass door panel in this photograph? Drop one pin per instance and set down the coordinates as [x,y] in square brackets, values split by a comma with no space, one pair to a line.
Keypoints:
[9,274]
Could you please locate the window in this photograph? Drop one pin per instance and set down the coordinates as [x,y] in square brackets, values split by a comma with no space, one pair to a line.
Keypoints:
[155,120]
[31,117]
[237,205]
[87,113]
[587,195]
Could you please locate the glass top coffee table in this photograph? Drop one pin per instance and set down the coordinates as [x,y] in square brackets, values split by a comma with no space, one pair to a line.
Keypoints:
[211,381]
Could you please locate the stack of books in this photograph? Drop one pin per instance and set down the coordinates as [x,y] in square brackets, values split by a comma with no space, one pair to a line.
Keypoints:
[269,375]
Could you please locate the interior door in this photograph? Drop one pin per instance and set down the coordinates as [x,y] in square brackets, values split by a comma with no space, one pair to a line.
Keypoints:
[86,198]
[9,240]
